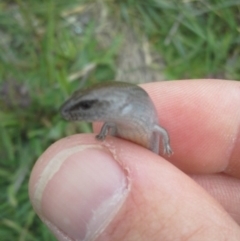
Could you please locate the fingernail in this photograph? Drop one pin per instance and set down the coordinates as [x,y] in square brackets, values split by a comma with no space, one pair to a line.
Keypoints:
[80,191]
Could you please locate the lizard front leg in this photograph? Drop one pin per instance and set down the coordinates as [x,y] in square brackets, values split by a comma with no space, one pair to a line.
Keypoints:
[106,128]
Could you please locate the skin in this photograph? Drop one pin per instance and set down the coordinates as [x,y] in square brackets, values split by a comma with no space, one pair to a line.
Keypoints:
[194,195]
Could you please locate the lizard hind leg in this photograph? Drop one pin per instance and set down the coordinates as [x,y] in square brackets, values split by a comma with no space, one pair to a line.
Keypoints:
[160,131]
[154,143]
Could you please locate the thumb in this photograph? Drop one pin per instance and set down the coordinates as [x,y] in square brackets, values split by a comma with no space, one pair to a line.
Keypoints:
[86,190]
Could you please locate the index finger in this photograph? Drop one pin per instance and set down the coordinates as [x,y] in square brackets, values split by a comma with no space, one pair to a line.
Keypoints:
[203,121]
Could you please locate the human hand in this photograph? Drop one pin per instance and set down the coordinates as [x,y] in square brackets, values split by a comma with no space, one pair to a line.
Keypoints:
[84,189]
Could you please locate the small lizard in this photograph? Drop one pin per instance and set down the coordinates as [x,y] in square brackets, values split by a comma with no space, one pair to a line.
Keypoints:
[126,110]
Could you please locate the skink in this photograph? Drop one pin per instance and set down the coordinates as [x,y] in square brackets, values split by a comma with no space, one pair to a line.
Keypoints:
[126,110]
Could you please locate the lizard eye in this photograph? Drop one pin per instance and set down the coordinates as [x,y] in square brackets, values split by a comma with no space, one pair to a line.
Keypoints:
[87,104]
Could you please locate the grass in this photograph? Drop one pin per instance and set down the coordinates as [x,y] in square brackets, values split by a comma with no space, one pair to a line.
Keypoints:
[46,53]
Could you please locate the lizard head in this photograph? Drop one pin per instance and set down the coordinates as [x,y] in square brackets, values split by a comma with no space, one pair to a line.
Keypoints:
[96,104]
